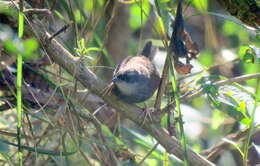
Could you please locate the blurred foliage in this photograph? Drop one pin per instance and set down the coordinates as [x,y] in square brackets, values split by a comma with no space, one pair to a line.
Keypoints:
[14,46]
[138,14]
[86,141]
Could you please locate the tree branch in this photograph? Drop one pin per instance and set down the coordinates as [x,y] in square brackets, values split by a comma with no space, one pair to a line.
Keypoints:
[89,80]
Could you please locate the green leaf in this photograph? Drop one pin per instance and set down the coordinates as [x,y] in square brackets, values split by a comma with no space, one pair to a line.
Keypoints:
[226,108]
[206,58]
[30,45]
[217,119]
[248,57]
[60,16]
[249,54]
[166,159]
[115,139]
[138,14]
[77,15]
[7,10]
[163,21]
[201,5]
[233,101]
[210,89]
[88,5]
[228,28]
[11,47]
[93,49]
[164,121]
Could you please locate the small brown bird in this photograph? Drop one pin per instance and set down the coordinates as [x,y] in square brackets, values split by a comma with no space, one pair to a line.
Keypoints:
[135,79]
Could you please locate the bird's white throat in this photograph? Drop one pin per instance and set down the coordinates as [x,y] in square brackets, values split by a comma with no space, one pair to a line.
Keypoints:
[126,88]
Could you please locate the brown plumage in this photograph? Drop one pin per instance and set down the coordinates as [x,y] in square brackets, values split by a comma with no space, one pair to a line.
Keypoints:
[135,79]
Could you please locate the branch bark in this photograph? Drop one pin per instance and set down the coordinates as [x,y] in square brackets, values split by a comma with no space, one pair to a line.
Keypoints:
[89,80]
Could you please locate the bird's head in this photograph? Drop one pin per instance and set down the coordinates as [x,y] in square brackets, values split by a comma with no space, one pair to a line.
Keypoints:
[127,82]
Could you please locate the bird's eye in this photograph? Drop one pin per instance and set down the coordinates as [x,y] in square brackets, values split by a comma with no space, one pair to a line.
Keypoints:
[128,77]
[123,77]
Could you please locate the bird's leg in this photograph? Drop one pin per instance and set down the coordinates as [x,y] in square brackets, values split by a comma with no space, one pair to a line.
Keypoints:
[146,113]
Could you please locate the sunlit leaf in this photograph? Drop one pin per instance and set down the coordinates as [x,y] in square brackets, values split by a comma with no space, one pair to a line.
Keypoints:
[138,14]
[166,159]
[10,46]
[217,119]
[59,15]
[228,28]
[93,49]
[235,145]
[128,1]
[7,10]
[88,5]
[163,21]
[159,25]
[101,2]
[233,101]
[164,121]
[206,58]
[248,57]
[30,44]
[106,130]
[249,54]
[201,5]
[226,108]
[240,31]
[77,15]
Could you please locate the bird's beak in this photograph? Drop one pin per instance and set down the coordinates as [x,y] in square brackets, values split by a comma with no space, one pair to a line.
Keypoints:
[115,79]
[107,90]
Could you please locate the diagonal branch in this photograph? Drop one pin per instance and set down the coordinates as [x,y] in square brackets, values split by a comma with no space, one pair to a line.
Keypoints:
[89,80]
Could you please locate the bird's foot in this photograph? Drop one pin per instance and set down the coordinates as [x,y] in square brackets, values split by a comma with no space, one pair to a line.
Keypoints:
[147,113]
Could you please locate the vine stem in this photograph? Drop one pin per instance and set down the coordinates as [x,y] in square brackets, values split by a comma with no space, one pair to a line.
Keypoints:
[178,109]
[251,127]
[19,84]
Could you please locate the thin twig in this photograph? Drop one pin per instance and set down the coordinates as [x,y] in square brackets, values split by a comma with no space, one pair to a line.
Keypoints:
[60,31]
[216,150]
[37,11]
[89,80]
[149,153]
[162,85]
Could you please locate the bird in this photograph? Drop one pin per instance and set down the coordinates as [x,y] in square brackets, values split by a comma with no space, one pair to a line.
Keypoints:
[135,78]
